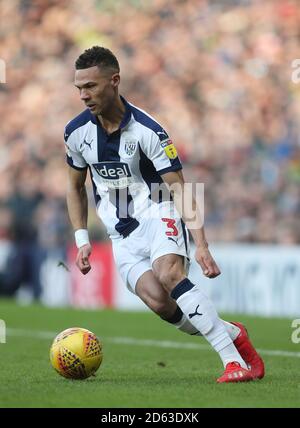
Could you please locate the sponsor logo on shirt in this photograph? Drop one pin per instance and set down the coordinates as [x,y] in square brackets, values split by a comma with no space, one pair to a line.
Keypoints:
[115,175]
[169,148]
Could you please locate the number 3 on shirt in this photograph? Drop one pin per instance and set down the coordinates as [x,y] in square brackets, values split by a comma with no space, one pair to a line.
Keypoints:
[171,225]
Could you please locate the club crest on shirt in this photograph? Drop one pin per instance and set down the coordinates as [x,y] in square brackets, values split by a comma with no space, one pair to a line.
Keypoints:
[130,147]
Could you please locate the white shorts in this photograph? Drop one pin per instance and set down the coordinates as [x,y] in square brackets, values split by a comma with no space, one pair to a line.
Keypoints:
[153,238]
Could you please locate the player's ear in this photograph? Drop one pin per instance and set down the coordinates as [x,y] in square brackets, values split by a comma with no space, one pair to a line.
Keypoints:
[115,80]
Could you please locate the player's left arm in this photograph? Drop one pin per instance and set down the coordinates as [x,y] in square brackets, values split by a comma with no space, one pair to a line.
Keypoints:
[191,213]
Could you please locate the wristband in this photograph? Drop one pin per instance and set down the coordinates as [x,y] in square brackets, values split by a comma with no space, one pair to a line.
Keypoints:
[81,237]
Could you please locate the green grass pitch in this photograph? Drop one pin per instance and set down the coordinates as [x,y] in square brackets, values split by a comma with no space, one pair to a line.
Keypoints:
[147,363]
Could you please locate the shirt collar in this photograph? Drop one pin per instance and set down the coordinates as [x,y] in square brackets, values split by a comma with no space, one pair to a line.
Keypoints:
[127,114]
[126,117]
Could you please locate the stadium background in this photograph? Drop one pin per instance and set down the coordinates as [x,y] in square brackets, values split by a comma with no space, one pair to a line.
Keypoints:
[218,76]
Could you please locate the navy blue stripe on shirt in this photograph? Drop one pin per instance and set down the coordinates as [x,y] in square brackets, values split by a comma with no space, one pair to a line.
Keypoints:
[102,140]
[126,223]
[150,176]
[176,166]
[108,151]
[184,235]
[97,197]
[78,121]
[145,120]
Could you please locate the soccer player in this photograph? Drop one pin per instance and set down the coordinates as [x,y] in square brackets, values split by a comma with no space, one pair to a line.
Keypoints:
[130,158]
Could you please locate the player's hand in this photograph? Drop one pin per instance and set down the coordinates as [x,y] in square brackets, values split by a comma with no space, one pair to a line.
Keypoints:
[207,263]
[82,259]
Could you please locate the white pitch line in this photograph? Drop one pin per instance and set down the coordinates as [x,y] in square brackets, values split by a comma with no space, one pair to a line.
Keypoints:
[157,343]
[31,333]
[197,346]
[145,342]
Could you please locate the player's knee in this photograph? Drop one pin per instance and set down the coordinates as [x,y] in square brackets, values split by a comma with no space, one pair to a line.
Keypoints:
[169,275]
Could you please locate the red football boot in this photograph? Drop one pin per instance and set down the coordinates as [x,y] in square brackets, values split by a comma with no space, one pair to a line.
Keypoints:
[235,373]
[248,352]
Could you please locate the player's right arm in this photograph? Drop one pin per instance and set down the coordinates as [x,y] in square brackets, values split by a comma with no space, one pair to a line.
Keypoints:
[77,204]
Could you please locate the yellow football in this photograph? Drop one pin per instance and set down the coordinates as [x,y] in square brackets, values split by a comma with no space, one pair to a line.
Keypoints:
[76,353]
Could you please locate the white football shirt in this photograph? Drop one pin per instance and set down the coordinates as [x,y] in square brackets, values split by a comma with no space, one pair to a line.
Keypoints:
[125,166]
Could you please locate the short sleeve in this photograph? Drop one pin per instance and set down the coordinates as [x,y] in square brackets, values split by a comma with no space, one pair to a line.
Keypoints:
[160,149]
[73,156]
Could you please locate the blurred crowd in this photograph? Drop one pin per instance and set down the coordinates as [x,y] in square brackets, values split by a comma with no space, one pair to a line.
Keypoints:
[216,74]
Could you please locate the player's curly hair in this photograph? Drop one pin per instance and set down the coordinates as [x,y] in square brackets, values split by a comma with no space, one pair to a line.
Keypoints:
[97,56]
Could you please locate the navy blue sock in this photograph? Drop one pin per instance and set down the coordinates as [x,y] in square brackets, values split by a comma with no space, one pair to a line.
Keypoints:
[181,288]
[176,317]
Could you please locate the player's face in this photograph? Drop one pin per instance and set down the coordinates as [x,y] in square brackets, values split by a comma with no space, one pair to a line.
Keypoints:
[98,88]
